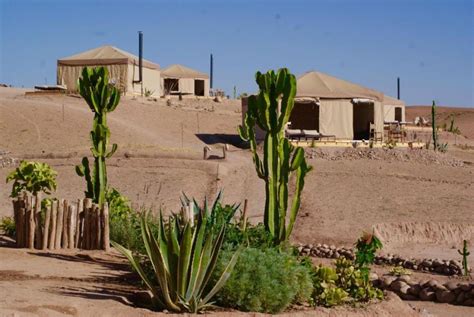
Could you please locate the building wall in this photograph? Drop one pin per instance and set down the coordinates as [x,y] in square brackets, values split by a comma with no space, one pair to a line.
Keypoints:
[69,75]
[151,81]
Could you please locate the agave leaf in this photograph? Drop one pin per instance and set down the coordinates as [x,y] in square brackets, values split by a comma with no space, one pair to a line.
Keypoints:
[185,258]
[196,260]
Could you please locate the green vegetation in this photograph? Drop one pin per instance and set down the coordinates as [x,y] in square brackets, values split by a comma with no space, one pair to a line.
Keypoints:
[465,253]
[183,255]
[263,281]
[399,271]
[102,98]
[32,177]
[7,225]
[270,111]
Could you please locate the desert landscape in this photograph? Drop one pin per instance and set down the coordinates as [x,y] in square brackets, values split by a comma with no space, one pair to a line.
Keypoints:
[419,202]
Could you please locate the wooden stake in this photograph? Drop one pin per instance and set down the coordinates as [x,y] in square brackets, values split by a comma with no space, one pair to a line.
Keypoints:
[59,224]
[16,211]
[71,225]
[31,224]
[38,230]
[79,222]
[47,220]
[22,226]
[65,235]
[54,215]
[106,229]
[87,215]
[98,235]
[92,223]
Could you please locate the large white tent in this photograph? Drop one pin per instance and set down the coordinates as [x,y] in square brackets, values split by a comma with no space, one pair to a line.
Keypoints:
[122,66]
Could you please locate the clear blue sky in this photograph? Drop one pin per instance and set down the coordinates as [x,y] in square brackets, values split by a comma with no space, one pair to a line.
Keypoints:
[428,43]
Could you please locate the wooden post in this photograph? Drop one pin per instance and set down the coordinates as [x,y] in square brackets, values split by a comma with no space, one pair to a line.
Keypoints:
[71,225]
[92,227]
[98,235]
[23,219]
[38,230]
[16,217]
[47,220]
[106,229]
[54,215]
[79,222]
[59,224]
[86,244]
[31,223]
[65,234]
[244,216]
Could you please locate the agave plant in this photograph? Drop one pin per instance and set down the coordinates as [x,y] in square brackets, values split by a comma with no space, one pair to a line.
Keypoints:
[183,256]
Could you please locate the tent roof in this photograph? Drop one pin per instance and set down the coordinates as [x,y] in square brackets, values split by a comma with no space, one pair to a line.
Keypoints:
[180,71]
[320,85]
[387,100]
[104,55]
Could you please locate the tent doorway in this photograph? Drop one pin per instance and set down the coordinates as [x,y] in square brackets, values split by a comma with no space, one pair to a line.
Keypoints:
[199,87]
[398,114]
[305,115]
[171,86]
[363,115]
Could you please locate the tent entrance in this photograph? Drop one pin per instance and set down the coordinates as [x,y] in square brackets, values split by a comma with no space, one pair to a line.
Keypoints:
[305,116]
[199,87]
[363,115]
[171,86]
[398,114]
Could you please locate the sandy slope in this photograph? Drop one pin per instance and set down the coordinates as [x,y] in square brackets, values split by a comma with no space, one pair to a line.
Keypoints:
[160,155]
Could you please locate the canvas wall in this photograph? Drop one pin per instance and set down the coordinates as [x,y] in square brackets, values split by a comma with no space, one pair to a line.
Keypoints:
[151,80]
[69,75]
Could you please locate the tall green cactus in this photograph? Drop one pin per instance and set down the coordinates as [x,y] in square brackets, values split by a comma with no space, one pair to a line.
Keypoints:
[270,110]
[102,98]
[433,126]
[464,254]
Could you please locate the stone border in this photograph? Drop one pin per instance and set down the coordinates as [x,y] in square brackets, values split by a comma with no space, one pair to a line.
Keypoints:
[451,292]
[443,267]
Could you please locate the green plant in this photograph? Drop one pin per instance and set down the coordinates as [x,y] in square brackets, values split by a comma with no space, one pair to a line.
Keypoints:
[270,111]
[433,126]
[183,255]
[443,147]
[465,253]
[366,247]
[254,236]
[263,281]
[32,177]
[102,98]
[390,144]
[399,271]
[148,92]
[7,225]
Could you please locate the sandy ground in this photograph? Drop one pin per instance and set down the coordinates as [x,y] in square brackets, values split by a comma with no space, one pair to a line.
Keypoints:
[160,155]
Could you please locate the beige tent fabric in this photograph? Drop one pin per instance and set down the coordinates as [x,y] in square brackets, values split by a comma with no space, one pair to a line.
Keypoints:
[180,71]
[151,81]
[69,75]
[390,104]
[379,116]
[335,118]
[105,55]
[320,85]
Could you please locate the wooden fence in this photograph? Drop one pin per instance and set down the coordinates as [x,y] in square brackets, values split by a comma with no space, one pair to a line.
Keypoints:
[61,225]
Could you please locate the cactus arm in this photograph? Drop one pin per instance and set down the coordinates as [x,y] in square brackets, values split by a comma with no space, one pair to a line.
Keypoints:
[284,156]
[270,166]
[287,102]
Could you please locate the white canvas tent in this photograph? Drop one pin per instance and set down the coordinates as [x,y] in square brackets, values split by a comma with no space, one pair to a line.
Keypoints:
[178,79]
[340,108]
[122,66]
[394,109]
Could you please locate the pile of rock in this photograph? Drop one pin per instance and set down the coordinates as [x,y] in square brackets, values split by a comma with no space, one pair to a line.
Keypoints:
[452,292]
[6,160]
[444,267]
[391,155]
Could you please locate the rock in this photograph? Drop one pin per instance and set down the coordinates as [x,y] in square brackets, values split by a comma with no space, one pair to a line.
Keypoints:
[373,276]
[332,247]
[397,285]
[414,290]
[451,285]
[466,287]
[445,296]
[404,278]
[387,281]
[336,255]
[427,295]
[461,298]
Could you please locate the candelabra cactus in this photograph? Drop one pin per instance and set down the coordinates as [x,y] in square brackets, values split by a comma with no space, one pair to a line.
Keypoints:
[102,98]
[464,254]
[270,110]
[433,126]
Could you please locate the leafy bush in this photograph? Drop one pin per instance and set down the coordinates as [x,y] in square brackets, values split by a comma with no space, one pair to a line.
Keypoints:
[183,256]
[399,271]
[7,225]
[253,236]
[32,177]
[264,281]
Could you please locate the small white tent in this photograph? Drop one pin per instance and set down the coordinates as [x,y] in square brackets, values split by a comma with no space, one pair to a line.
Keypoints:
[178,79]
[394,109]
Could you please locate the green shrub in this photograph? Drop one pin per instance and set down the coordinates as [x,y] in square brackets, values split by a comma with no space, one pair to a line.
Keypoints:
[7,225]
[253,236]
[264,281]
[32,177]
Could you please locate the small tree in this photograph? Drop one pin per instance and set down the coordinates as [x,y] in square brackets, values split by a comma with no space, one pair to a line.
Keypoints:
[102,98]
[270,110]
[32,177]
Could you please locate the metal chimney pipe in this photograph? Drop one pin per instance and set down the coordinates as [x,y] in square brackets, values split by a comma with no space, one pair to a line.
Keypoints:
[211,71]
[398,88]
[140,56]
